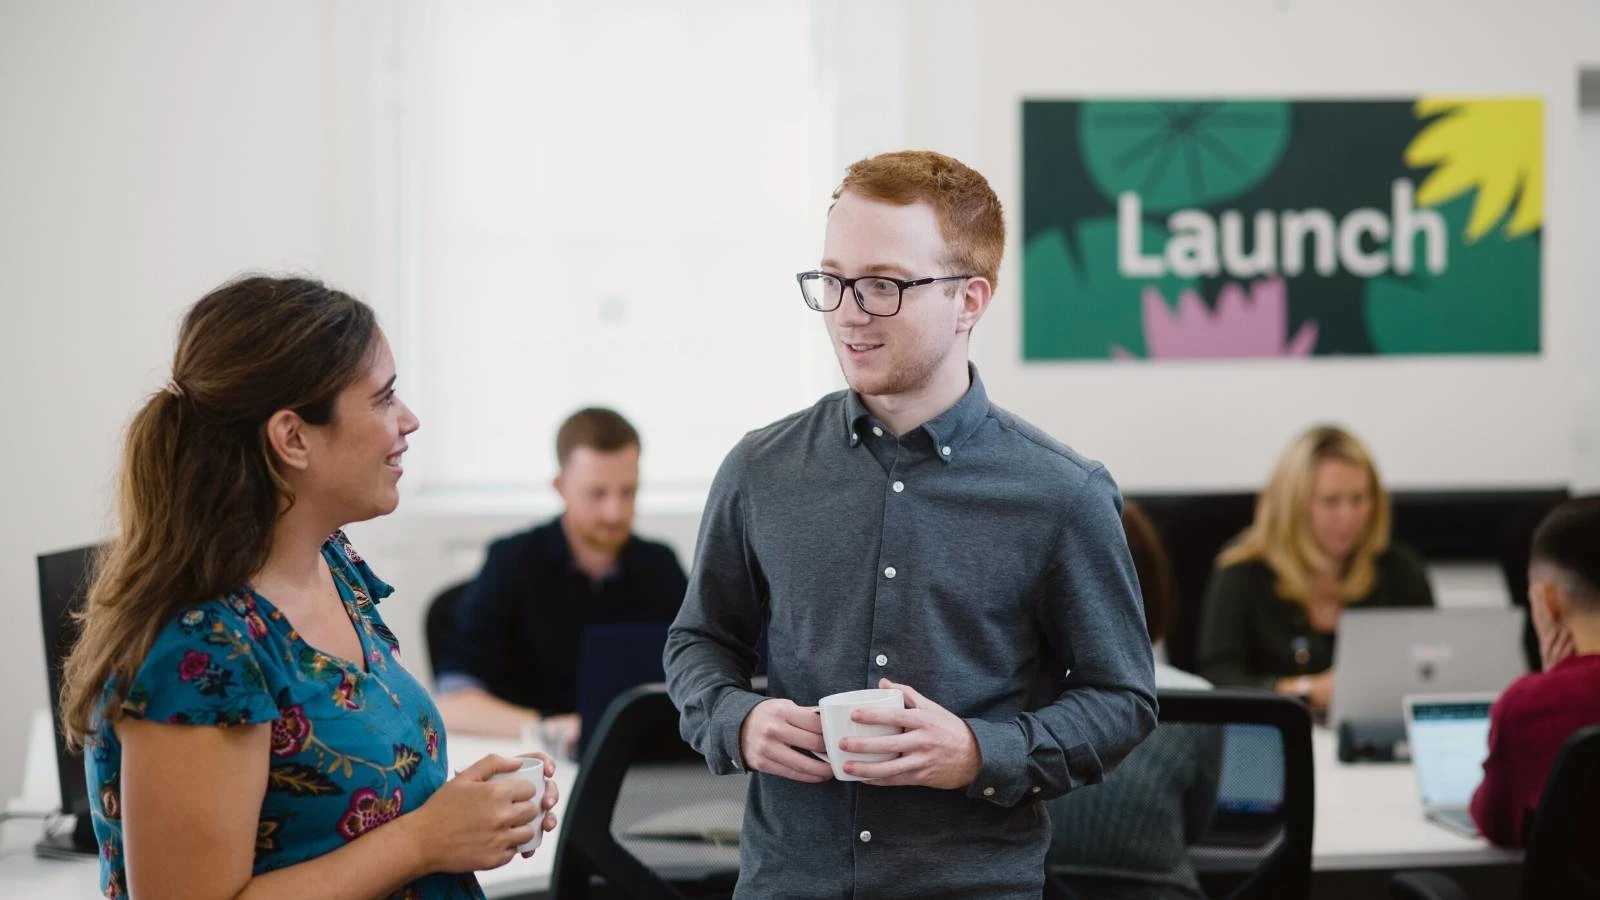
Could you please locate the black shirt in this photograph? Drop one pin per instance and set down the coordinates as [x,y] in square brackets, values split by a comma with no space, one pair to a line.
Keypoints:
[1251,637]
[519,622]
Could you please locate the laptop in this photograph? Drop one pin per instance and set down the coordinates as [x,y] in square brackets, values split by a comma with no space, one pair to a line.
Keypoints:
[1449,738]
[1384,654]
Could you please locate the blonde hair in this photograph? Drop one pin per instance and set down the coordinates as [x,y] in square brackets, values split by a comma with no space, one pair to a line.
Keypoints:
[1281,535]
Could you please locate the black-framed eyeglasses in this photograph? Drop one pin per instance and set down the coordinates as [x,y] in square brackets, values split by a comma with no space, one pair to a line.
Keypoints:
[877,295]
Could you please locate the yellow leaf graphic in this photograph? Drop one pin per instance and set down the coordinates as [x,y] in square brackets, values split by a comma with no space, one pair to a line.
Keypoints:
[1495,146]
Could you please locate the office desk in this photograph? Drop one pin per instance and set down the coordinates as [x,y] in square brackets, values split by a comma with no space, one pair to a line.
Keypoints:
[1369,816]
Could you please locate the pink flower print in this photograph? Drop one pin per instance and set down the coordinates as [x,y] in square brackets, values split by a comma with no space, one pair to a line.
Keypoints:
[344,693]
[290,731]
[1241,326]
[367,811]
[344,543]
[255,625]
[433,744]
[194,665]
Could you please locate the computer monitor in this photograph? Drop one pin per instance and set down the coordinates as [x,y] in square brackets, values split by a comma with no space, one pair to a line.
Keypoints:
[63,589]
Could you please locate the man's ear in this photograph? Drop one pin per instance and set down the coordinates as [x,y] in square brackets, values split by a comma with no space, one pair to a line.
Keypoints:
[1556,605]
[286,435]
[975,297]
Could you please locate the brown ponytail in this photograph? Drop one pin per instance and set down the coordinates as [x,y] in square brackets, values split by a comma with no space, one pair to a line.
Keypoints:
[199,493]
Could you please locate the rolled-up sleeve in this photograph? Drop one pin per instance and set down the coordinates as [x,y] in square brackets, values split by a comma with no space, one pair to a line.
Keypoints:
[1091,614]
[710,653]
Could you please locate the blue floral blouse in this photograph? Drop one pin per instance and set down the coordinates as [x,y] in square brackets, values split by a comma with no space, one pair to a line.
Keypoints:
[352,748]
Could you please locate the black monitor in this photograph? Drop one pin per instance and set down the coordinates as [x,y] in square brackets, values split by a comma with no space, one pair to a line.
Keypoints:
[63,589]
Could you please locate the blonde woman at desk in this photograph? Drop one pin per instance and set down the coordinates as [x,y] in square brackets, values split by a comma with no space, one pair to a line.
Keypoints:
[248,728]
[1319,544]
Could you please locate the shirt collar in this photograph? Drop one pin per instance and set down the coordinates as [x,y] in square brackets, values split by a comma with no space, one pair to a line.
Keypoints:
[948,431]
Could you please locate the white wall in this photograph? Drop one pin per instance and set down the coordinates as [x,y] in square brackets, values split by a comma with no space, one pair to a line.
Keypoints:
[149,151]
[1430,422]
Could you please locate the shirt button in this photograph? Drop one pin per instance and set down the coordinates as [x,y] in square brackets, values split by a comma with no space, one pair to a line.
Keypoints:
[899,486]
[889,572]
[854,438]
[988,792]
[882,660]
[866,836]
[876,431]
[945,450]
[736,763]
[1036,789]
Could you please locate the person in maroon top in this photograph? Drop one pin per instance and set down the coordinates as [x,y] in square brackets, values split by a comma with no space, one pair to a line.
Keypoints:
[1538,712]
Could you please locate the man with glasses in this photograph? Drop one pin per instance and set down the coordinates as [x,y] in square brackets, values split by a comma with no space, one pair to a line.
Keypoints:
[907,533]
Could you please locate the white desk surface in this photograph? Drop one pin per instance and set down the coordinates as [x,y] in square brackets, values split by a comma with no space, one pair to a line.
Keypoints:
[1369,816]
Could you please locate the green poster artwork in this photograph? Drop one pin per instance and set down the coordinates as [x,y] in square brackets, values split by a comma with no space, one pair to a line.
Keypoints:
[1170,229]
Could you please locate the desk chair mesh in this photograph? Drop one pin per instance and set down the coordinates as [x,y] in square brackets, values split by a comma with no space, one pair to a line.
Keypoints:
[1240,765]
[1563,858]
[646,819]
[1258,843]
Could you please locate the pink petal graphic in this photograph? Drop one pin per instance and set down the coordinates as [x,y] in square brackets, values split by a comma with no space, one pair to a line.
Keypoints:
[1305,340]
[1245,324]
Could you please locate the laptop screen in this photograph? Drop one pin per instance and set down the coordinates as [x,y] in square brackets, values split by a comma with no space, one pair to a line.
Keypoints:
[1449,741]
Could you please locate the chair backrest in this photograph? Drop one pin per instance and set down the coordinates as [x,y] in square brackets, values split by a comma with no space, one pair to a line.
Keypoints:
[646,817]
[1258,843]
[63,591]
[1562,860]
[441,622]
[1193,529]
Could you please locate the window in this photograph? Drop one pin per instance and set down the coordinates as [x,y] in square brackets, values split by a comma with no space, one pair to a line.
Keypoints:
[608,205]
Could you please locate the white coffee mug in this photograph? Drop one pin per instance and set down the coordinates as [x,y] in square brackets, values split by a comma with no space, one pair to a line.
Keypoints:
[837,725]
[532,770]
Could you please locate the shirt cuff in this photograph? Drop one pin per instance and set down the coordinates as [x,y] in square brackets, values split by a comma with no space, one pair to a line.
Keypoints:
[450,682]
[1003,767]
[726,722]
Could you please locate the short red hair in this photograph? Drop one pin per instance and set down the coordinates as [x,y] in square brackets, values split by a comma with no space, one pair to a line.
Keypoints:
[969,214]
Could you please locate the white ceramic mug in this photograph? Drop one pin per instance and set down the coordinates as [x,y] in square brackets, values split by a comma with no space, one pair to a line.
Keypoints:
[835,710]
[532,770]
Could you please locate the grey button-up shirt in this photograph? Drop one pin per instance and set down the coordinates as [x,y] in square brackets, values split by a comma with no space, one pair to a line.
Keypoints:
[974,559]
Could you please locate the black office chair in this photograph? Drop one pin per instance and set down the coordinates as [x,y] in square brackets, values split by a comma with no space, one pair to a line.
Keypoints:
[646,819]
[1193,529]
[1258,844]
[63,590]
[1561,859]
[441,622]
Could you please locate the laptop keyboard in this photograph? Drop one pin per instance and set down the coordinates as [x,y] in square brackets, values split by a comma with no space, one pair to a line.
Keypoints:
[1458,819]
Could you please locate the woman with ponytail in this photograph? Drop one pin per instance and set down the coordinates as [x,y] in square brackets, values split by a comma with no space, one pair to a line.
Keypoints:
[248,728]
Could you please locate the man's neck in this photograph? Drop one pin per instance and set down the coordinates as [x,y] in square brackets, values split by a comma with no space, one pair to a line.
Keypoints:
[592,562]
[1585,633]
[906,411]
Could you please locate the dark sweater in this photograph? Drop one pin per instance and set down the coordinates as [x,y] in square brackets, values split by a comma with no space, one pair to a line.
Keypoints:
[1250,637]
[1128,836]
[1527,727]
